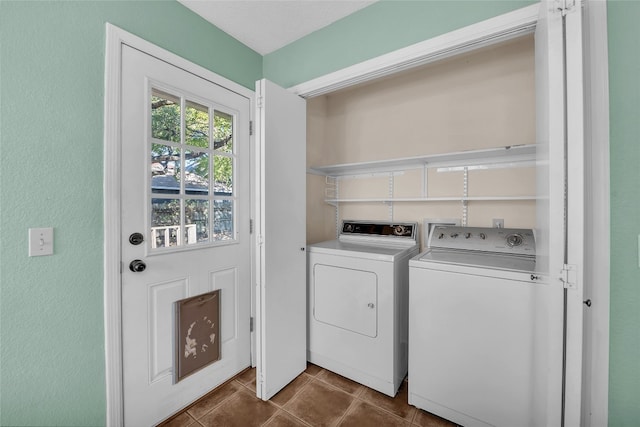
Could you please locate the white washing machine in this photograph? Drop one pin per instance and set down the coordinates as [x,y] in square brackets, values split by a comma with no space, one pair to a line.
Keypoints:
[472,320]
[358,302]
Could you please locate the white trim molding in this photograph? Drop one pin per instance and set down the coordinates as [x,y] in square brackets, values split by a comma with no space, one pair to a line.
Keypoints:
[494,30]
[597,234]
[112,253]
[115,39]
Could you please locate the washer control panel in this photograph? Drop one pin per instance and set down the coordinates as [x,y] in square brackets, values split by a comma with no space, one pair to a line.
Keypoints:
[516,241]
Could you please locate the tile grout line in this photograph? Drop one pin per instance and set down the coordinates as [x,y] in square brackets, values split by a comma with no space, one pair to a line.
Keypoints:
[307,384]
[341,389]
[300,420]
[349,409]
[233,380]
[282,407]
[358,396]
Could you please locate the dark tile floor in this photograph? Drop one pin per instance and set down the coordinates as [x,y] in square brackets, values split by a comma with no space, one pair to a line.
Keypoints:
[315,398]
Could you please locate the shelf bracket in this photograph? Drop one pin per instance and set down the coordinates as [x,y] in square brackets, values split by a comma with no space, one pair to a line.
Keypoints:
[465,194]
[391,185]
[425,181]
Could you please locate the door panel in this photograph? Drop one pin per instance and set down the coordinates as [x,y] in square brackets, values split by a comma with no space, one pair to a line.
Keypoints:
[346,298]
[281,305]
[186,189]
[575,211]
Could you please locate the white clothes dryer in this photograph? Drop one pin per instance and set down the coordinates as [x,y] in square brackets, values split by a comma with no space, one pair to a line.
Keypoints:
[472,326]
[358,302]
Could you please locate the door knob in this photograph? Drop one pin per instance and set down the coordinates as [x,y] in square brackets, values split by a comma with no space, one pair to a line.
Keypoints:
[137,266]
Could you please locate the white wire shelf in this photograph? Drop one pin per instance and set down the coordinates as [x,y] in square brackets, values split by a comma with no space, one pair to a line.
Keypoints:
[431,199]
[510,156]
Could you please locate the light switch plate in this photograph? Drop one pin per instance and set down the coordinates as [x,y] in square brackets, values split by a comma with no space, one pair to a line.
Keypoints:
[40,241]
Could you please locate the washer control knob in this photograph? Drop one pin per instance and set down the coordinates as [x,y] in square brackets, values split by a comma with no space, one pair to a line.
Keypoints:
[467,235]
[454,235]
[514,240]
[483,236]
[441,236]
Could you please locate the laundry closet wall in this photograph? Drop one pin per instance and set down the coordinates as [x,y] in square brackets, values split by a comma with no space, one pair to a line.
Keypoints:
[478,100]
[390,25]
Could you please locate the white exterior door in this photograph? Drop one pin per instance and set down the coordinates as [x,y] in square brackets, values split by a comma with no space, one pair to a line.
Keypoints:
[186,191]
[281,304]
[560,213]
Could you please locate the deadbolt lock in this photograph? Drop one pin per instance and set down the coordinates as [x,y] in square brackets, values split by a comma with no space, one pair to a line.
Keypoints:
[136,238]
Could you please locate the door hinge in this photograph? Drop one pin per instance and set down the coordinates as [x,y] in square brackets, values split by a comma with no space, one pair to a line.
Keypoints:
[259,101]
[569,276]
[564,6]
[251,324]
[250,127]
[251,226]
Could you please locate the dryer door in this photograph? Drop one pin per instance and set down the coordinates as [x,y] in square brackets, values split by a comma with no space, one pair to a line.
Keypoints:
[346,298]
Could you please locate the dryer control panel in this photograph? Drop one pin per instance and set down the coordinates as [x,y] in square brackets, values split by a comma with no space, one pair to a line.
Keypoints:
[379,229]
[515,241]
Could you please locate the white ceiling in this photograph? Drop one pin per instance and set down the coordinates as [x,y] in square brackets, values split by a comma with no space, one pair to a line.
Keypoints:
[268,25]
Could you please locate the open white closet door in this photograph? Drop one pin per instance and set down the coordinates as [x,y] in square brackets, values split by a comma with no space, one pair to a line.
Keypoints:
[281,308]
[573,275]
[560,211]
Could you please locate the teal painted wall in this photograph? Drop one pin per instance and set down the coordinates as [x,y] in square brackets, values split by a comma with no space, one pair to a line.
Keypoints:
[51,101]
[373,31]
[624,92]
[51,144]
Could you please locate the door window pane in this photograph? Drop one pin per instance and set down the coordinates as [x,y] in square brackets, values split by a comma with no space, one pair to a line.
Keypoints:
[223,132]
[196,177]
[196,214]
[165,169]
[223,171]
[165,116]
[222,220]
[196,125]
[165,223]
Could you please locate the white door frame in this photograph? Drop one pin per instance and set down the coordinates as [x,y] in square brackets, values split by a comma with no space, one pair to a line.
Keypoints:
[595,353]
[116,37]
[595,389]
